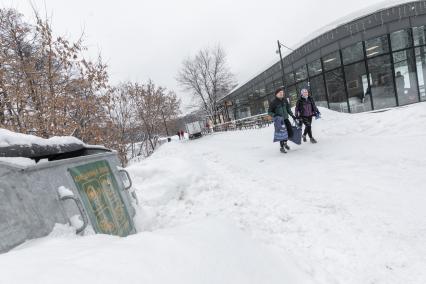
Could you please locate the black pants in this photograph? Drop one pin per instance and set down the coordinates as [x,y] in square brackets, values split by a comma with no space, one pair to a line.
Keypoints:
[289,131]
[307,121]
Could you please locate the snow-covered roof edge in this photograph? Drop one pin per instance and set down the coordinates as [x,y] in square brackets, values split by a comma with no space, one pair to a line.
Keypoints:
[361,13]
[337,23]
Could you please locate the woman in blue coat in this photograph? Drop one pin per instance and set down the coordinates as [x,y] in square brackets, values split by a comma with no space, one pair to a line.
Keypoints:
[280,110]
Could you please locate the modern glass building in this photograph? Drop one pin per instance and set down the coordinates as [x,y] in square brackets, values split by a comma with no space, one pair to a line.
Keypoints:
[373,62]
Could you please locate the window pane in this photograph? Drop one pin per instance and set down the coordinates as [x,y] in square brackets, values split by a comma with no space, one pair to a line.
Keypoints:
[265,103]
[353,53]
[231,113]
[357,85]
[405,77]
[400,39]
[292,95]
[419,35]
[302,85]
[336,90]
[289,78]
[314,68]
[301,73]
[259,91]
[381,82]
[376,46]
[243,112]
[318,91]
[278,82]
[331,61]
[421,70]
[270,87]
[256,107]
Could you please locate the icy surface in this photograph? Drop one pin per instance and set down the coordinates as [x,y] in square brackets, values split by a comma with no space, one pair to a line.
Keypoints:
[230,208]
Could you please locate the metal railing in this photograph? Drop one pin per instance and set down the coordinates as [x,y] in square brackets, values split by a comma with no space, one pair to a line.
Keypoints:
[251,122]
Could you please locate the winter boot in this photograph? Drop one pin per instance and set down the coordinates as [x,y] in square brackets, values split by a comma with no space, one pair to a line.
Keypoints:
[282,150]
[304,138]
[286,146]
[313,140]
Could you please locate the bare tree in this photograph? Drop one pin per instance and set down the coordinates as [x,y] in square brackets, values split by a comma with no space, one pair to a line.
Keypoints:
[122,113]
[153,104]
[48,88]
[208,78]
[17,42]
[138,113]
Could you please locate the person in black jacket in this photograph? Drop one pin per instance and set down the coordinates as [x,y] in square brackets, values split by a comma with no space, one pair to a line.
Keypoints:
[281,107]
[305,110]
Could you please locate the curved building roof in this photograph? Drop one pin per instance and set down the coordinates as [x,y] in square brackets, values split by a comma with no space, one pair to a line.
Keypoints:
[361,25]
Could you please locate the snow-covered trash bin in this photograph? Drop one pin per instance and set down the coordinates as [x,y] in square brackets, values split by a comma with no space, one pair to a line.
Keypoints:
[60,180]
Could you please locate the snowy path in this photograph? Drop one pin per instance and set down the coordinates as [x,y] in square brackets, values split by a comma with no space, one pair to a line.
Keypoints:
[350,209]
[229,208]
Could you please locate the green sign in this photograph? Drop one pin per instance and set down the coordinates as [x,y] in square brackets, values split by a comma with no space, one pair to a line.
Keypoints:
[100,195]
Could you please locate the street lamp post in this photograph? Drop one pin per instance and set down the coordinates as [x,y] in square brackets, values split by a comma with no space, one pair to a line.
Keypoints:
[281,60]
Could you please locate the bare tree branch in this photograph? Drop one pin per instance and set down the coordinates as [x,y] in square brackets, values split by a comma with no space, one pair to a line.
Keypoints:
[207,78]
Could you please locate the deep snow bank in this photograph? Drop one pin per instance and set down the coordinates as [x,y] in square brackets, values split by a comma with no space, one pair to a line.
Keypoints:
[212,251]
[349,209]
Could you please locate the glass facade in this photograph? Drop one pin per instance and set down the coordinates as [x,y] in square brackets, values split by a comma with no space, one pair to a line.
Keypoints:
[377,46]
[336,90]
[375,73]
[405,76]
[381,82]
[353,53]
[292,95]
[331,61]
[421,70]
[301,73]
[318,91]
[315,67]
[357,86]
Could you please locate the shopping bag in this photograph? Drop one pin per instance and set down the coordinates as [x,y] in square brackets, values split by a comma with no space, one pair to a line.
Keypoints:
[280,133]
[297,133]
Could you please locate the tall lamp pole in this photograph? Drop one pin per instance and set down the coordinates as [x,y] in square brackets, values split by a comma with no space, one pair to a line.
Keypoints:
[281,60]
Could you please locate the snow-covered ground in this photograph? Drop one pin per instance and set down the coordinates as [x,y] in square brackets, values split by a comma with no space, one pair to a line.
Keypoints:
[230,208]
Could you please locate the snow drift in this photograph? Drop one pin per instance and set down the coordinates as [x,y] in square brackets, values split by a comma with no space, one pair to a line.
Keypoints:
[230,208]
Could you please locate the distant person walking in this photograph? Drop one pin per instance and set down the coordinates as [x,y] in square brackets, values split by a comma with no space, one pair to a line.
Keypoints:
[280,110]
[178,134]
[182,134]
[400,83]
[305,110]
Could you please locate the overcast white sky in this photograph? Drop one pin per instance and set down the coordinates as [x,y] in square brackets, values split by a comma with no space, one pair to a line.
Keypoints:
[142,39]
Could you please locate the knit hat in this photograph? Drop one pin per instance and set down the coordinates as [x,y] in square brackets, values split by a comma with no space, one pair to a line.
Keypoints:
[278,90]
